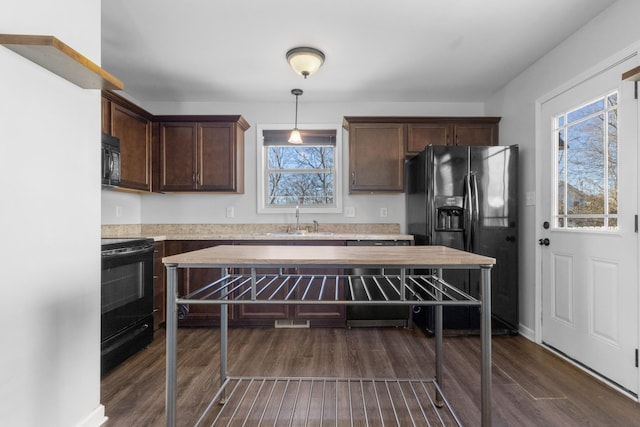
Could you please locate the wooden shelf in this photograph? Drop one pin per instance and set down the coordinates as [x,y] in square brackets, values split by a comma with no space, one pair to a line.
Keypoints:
[633,74]
[57,57]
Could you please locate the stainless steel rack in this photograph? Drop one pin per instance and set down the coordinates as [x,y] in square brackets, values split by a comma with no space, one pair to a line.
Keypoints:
[269,401]
[257,288]
[329,401]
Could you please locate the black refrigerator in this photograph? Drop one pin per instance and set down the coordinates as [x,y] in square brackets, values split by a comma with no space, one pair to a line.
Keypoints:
[465,197]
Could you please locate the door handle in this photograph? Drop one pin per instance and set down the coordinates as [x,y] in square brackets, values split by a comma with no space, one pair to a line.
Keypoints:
[544,242]
[468,213]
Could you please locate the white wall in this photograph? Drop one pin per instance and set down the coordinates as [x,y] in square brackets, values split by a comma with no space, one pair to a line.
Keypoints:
[50,222]
[207,208]
[613,30]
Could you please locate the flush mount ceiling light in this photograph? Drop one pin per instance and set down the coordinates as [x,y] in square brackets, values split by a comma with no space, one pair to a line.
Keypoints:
[295,137]
[305,60]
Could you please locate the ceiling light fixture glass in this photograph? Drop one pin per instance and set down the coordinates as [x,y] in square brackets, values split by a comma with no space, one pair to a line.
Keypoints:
[295,137]
[305,60]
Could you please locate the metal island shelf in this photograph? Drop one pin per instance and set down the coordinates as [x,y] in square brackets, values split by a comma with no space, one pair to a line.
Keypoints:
[329,401]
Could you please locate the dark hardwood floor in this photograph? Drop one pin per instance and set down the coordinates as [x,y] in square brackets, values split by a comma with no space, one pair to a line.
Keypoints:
[531,386]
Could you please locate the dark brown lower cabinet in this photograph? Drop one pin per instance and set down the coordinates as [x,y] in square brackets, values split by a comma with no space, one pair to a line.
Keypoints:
[192,279]
[264,314]
[159,286]
[328,315]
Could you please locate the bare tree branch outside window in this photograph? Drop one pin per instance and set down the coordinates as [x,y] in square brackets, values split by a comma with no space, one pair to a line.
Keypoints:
[301,175]
[587,173]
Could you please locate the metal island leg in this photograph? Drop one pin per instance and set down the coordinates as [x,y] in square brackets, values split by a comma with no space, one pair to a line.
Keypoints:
[224,337]
[485,343]
[438,339]
[172,332]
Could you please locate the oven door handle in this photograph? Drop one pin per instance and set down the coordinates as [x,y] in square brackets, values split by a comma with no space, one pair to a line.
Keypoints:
[117,253]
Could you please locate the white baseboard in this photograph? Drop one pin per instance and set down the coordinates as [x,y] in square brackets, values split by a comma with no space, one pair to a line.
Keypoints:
[526,332]
[95,419]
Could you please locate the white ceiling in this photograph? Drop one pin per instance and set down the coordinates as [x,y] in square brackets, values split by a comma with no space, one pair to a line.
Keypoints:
[376,50]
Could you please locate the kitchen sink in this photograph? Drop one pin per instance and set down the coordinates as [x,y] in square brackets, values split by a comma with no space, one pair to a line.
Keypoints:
[295,233]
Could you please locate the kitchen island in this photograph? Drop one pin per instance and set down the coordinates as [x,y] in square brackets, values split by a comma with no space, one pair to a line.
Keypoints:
[243,282]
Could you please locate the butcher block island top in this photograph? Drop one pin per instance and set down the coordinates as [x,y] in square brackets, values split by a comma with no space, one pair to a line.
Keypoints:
[380,256]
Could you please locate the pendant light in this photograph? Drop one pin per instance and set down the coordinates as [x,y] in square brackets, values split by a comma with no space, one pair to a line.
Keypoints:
[305,60]
[295,137]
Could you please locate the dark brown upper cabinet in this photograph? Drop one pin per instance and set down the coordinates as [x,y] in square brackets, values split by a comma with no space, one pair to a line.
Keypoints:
[378,146]
[133,126]
[202,153]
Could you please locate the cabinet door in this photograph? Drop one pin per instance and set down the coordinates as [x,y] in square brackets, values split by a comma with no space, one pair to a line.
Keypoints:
[419,135]
[216,168]
[134,132]
[476,134]
[159,301]
[264,314]
[328,315]
[376,157]
[178,156]
[193,279]
[106,116]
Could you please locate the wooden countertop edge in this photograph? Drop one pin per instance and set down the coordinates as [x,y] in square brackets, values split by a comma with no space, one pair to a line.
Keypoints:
[275,255]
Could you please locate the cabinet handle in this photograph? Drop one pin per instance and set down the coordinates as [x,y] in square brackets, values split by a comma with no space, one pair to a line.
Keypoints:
[193,178]
[353,178]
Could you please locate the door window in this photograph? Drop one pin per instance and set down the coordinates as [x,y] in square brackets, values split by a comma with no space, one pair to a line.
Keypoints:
[586,147]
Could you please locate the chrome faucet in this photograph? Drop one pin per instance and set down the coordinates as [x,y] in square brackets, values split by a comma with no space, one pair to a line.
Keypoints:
[315,226]
[297,218]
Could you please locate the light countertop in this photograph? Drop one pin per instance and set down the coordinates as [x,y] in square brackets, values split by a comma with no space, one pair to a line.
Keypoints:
[255,232]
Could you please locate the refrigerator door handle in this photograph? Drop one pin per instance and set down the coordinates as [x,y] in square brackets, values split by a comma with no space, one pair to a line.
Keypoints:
[468,213]
[476,204]
[475,215]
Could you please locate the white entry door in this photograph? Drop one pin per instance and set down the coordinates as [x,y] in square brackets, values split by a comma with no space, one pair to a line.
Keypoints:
[589,245]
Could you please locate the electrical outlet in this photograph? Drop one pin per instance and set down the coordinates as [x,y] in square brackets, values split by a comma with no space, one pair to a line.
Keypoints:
[231,212]
[383,212]
[350,211]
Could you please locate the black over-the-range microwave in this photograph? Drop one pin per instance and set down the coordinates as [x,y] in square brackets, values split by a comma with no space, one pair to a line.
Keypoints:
[110,161]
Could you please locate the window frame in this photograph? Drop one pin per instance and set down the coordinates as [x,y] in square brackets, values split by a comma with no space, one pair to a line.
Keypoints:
[555,127]
[262,189]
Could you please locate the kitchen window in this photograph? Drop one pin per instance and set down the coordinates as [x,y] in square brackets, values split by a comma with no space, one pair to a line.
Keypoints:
[299,175]
[586,141]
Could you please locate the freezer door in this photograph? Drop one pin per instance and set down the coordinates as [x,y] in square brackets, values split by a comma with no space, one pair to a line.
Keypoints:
[446,178]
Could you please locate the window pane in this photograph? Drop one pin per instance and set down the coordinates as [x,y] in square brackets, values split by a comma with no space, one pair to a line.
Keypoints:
[314,157]
[585,222]
[562,161]
[585,167]
[300,189]
[612,159]
[585,111]
[561,121]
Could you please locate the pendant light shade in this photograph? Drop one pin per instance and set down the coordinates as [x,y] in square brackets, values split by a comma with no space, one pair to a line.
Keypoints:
[296,137]
[305,60]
